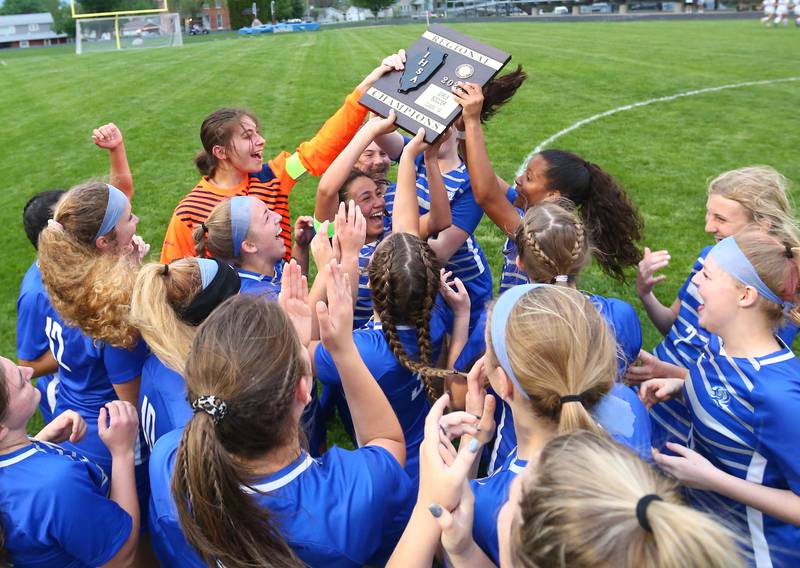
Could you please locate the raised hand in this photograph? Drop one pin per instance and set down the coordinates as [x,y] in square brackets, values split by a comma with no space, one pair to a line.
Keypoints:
[651,263]
[394,62]
[380,126]
[303,230]
[415,146]
[107,136]
[470,97]
[478,402]
[454,293]
[350,230]
[336,319]
[688,467]
[293,298]
[118,427]
[321,248]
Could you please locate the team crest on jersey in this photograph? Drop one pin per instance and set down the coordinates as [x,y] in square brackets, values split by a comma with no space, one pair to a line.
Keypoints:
[420,67]
[721,396]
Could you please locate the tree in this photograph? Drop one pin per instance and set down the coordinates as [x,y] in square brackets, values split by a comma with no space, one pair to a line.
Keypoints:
[374,5]
[11,7]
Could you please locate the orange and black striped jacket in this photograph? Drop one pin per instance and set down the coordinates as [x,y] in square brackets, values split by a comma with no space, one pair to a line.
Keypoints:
[272,184]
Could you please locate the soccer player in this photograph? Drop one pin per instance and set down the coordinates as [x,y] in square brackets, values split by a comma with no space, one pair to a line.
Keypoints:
[58,508]
[754,197]
[782,12]
[769,12]
[551,357]
[743,396]
[604,208]
[168,302]
[232,163]
[246,492]
[90,245]
[245,233]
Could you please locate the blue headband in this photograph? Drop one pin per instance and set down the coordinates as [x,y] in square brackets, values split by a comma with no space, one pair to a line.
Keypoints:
[240,221]
[208,270]
[500,312]
[114,210]
[732,260]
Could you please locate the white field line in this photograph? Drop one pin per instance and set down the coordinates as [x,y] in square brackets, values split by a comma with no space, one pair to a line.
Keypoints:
[542,145]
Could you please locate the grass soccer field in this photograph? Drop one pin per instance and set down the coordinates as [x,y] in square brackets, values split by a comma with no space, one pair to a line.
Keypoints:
[662,152]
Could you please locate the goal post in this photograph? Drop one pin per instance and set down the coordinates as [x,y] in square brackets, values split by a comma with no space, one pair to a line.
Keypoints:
[125,32]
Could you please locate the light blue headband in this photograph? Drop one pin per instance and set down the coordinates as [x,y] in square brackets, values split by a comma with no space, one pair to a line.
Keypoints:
[500,312]
[240,221]
[208,270]
[732,260]
[114,210]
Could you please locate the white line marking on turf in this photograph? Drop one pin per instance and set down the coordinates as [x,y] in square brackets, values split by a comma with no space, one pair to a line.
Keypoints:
[598,116]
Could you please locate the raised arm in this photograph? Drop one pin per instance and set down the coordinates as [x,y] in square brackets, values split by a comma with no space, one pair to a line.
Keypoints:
[109,137]
[440,216]
[646,279]
[485,185]
[326,202]
[316,155]
[374,420]
[405,215]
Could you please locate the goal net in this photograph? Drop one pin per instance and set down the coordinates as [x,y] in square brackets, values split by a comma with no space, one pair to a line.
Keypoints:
[127,32]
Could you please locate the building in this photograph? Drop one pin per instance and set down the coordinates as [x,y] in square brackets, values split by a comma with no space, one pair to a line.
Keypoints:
[29,30]
[216,16]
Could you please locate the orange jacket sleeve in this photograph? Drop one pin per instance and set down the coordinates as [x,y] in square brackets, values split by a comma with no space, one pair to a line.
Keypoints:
[317,154]
[178,242]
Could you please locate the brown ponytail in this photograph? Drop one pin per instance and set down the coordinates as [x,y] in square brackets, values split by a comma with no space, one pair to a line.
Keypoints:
[248,355]
[613,222]
[404,278]
[500,90]
[213,237]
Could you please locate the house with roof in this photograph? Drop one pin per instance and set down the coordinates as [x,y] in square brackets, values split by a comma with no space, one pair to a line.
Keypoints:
[29,30]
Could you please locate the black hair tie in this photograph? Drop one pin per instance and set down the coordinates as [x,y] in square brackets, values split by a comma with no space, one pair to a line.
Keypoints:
[641,510]
[571,398]
[203,226]
[789,253]
[166,270]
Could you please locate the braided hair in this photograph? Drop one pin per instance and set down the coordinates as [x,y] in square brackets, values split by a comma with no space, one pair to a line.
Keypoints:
[404,279]
[552,242]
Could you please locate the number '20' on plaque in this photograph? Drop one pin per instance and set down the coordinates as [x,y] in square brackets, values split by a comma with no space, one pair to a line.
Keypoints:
[421,94]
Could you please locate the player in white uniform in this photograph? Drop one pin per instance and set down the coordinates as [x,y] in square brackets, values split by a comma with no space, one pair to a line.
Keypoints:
[769,11]
[782,12]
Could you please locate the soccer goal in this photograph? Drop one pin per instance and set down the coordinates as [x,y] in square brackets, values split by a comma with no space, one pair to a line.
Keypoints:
[132,31]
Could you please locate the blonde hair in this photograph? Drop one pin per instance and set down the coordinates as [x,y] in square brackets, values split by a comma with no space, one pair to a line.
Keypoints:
[552,241]
[559,345]
[88,287]
[775,260]
[157,294]
[214,236]
[578,510]
[764,194]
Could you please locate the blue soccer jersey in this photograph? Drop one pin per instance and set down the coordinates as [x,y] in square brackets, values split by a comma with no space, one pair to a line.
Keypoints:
[491,493]
[404,389]
[162,400]
[55,511]
[87,371]
[743,415]
[362,311]
[261,284]
[32,341]
[512,275]
[468,263]
[345,509]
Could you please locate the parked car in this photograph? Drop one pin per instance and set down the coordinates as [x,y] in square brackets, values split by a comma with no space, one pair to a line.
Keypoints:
[197,30]
[561,10]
